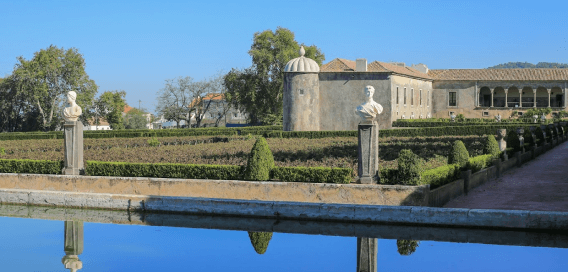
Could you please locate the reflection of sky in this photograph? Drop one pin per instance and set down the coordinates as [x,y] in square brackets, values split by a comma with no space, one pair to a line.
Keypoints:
[37,245]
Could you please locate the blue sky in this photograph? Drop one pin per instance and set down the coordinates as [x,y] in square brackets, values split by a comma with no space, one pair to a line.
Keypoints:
[136,45]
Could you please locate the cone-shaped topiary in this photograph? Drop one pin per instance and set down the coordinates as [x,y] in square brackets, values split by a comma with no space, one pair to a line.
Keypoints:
[260,240]
[459,154]
[260,161]
[513,141]
[408,167]
[491,147]
[529,140]
[539,136]
[406,247]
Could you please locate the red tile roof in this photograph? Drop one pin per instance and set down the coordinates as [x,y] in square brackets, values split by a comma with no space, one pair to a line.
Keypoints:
[127,109]
[526,74]
[344,65]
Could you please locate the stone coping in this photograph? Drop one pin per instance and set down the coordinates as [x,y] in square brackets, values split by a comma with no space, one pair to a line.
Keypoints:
[381,231]
[375,214]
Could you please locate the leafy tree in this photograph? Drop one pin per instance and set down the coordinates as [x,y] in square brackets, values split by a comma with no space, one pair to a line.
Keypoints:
[258,90]
[260,240]
[47,77]
[135,119]
[182,96]
[459,154]
[406,247]
[510,65]
[109,106]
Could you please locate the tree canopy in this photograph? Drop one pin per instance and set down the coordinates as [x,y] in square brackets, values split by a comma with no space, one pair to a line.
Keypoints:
[110,106]
[33,95]
[511,65]
[258,90]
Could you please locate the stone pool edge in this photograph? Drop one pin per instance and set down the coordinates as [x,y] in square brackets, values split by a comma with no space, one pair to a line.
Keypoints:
[424,216]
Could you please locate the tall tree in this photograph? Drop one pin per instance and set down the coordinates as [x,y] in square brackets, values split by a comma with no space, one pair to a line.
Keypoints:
[135,119]
[46,79]
[109,106]
[258,90]
[182,97]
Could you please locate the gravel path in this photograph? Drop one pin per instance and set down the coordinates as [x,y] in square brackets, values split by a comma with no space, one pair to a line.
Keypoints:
[538,185]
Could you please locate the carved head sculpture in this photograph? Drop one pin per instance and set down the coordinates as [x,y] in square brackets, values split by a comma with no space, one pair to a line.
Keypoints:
[369,91]
[71,97]
[501,133]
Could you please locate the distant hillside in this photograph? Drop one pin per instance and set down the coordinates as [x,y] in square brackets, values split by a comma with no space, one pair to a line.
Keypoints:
[510,65]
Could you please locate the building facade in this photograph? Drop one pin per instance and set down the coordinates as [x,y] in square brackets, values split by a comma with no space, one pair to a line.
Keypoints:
[325,98]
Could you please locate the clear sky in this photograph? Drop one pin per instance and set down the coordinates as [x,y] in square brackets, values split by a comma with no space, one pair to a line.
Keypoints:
[136,45]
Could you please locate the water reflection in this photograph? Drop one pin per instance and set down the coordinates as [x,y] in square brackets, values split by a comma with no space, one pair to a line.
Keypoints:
[367,254]
[406,247]
[73,245]
[260,240]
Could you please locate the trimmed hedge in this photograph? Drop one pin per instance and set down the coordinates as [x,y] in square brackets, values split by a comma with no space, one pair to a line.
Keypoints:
[477,163]
[408,168]
[491,146]
[404,132]
[260,161]
[31,166]
[513,141]
[539,136]
[164,170]
[135,133]
[459,154]
[312,174]
[441,175]
[401,123]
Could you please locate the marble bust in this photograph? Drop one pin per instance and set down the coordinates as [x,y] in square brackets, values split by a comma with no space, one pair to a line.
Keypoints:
[498,117]
[369,110]
[72,112]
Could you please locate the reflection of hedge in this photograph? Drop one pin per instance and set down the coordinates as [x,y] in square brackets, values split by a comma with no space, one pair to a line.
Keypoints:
[260,240]
[406,247]
[31,166]
[453,124]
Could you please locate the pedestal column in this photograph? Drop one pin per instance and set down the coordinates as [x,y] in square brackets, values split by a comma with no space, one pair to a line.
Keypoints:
[73,246]
[367,254]
[520,98]
[492,91]
[534,101]
[548,90]
[73,142]
[506,102]
[368,153]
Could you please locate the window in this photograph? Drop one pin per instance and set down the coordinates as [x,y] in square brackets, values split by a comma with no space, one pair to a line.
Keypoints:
[420,98]
[428,100]
[520,113]
[452,102]
[397,97]
[301,91]
[412,97]
[452,113]
[485,113]
[405,96]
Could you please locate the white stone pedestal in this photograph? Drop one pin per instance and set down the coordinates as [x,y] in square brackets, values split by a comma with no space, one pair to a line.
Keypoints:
[368,153]
[73,142]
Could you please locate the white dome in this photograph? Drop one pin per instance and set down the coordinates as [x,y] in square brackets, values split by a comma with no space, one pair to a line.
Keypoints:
[302,64]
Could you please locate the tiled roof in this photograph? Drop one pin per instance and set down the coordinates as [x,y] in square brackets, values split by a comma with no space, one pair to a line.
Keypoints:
[102,122]
[343,65]
[209,96]
[526,74]
[127,109]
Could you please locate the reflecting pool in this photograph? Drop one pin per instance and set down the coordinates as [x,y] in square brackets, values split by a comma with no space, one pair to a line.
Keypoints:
[219,244]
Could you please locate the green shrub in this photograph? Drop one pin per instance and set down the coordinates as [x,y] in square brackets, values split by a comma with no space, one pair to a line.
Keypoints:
[260,240]
[260,161]
[475,164]
[31,166]
[491,146]
[388,176]
[513,141]
[153,142]
[408,167]
[440,175]
[548,134]
[164,170]
[539,136]
[529,140]
[312,174]
[2,151]
[406,247]
[458,154]
[460,118]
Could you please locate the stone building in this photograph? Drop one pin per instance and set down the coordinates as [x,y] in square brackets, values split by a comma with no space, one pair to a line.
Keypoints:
[325,98]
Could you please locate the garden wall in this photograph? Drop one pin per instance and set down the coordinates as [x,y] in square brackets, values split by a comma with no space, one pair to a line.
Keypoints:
[224,189]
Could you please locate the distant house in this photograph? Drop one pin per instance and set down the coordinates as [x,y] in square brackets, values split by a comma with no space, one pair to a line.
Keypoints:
[217,109]
[149,124]
[103,125]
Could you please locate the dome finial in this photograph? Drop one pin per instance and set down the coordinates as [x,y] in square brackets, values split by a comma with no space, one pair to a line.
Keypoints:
[302,51]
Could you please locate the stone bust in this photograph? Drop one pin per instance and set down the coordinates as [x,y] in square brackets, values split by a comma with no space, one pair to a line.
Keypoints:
[369,110]
[72,112]
[498,117]
[543,118]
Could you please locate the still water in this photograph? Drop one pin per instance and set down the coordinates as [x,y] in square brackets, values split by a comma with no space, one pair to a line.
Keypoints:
[30,244]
